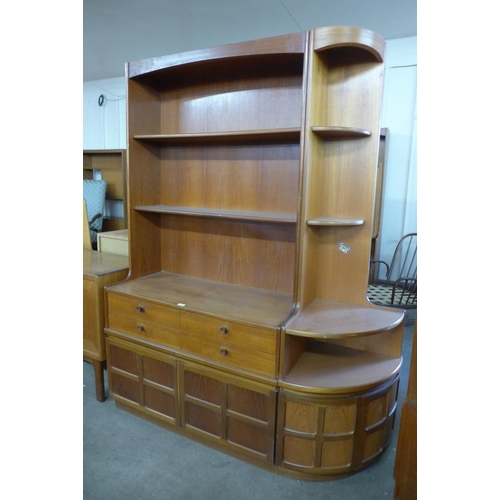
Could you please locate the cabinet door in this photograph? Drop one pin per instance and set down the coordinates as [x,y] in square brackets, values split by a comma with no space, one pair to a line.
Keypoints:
[228,410]
[327,436]
[143,379]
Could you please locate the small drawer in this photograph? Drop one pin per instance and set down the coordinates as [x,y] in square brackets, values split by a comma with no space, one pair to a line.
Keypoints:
[232,355]
[144,310]
[145,330]
[218,330]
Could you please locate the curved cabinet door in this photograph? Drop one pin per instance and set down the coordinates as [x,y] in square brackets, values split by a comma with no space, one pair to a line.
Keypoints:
[322,437]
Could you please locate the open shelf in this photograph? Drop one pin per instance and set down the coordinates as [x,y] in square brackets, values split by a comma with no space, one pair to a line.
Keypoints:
[341,132]
[338,320]
[333,369]
[221,214]
[285,134]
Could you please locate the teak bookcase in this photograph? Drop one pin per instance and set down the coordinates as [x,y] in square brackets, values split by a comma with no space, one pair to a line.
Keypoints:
[243,322]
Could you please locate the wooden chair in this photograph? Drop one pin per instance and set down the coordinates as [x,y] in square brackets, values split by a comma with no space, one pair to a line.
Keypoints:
[87,243]
[398,288]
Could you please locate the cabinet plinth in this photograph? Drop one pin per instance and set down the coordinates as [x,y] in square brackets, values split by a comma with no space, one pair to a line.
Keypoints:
[243,322]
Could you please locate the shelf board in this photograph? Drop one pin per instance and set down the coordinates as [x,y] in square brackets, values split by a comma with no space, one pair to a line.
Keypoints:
[284,134]
[254,306]
[334,221]
[275,218]
[341,132]
[332,369]
[324,319]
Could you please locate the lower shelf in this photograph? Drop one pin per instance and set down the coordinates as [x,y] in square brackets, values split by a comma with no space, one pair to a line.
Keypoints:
[333,369]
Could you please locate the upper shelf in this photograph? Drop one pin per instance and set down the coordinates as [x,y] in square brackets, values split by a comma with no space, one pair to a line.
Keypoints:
[337,320]
[331,37]
[220,214]
[282,134]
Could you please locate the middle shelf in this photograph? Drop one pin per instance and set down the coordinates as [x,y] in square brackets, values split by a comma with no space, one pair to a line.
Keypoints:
[221,214]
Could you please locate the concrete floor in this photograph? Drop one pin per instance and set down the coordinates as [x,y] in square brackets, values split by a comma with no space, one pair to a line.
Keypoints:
[127,458]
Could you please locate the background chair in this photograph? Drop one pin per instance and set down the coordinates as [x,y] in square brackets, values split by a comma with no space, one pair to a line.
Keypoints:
[395,285]
[87,242]
[94,194]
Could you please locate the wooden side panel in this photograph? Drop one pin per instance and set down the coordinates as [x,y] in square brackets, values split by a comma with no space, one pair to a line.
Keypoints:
[91,321]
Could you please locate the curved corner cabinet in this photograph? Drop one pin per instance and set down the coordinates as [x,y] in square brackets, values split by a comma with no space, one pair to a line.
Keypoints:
[243,322]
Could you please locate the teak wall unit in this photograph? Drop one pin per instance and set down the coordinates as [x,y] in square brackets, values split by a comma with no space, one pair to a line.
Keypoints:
[244,322]
[112,163]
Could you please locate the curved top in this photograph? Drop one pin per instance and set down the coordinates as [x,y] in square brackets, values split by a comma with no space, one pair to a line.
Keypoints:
[349,36]
[284,44]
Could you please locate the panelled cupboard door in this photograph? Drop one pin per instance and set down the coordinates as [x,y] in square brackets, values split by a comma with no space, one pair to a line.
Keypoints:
[143,380]
[327,436]
[228,410]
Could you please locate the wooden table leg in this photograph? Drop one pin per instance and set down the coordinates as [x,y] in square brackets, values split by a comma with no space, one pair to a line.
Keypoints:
[100,393]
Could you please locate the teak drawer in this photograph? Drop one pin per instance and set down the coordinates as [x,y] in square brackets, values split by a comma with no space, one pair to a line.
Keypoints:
[211,330]
[233,355]
[145,329]
[143,310]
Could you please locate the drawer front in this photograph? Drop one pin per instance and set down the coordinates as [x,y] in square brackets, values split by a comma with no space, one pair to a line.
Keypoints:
[143,310]
[230,354]
[145,329]
[214,330]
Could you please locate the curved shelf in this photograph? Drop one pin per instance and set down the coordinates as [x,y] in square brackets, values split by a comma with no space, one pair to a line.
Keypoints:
[341,132]
[348,36]
[333,369]
[275,218]
[334,222]
[324,319]
[283,134]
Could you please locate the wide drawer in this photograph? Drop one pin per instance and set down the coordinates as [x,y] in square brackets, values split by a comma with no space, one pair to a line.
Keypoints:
[230,354]
[144,311]
[218,330]
[138,327]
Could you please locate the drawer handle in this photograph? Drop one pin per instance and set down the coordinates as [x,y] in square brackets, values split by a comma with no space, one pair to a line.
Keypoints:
[223,352]
[139,309]
[140,328]
[223,330]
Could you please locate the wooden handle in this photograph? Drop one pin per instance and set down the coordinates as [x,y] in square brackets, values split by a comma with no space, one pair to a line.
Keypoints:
[223,330]
[140,328]
[223,351]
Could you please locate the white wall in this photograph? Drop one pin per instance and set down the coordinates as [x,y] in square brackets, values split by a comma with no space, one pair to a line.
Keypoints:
[399,115]
[104,127]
